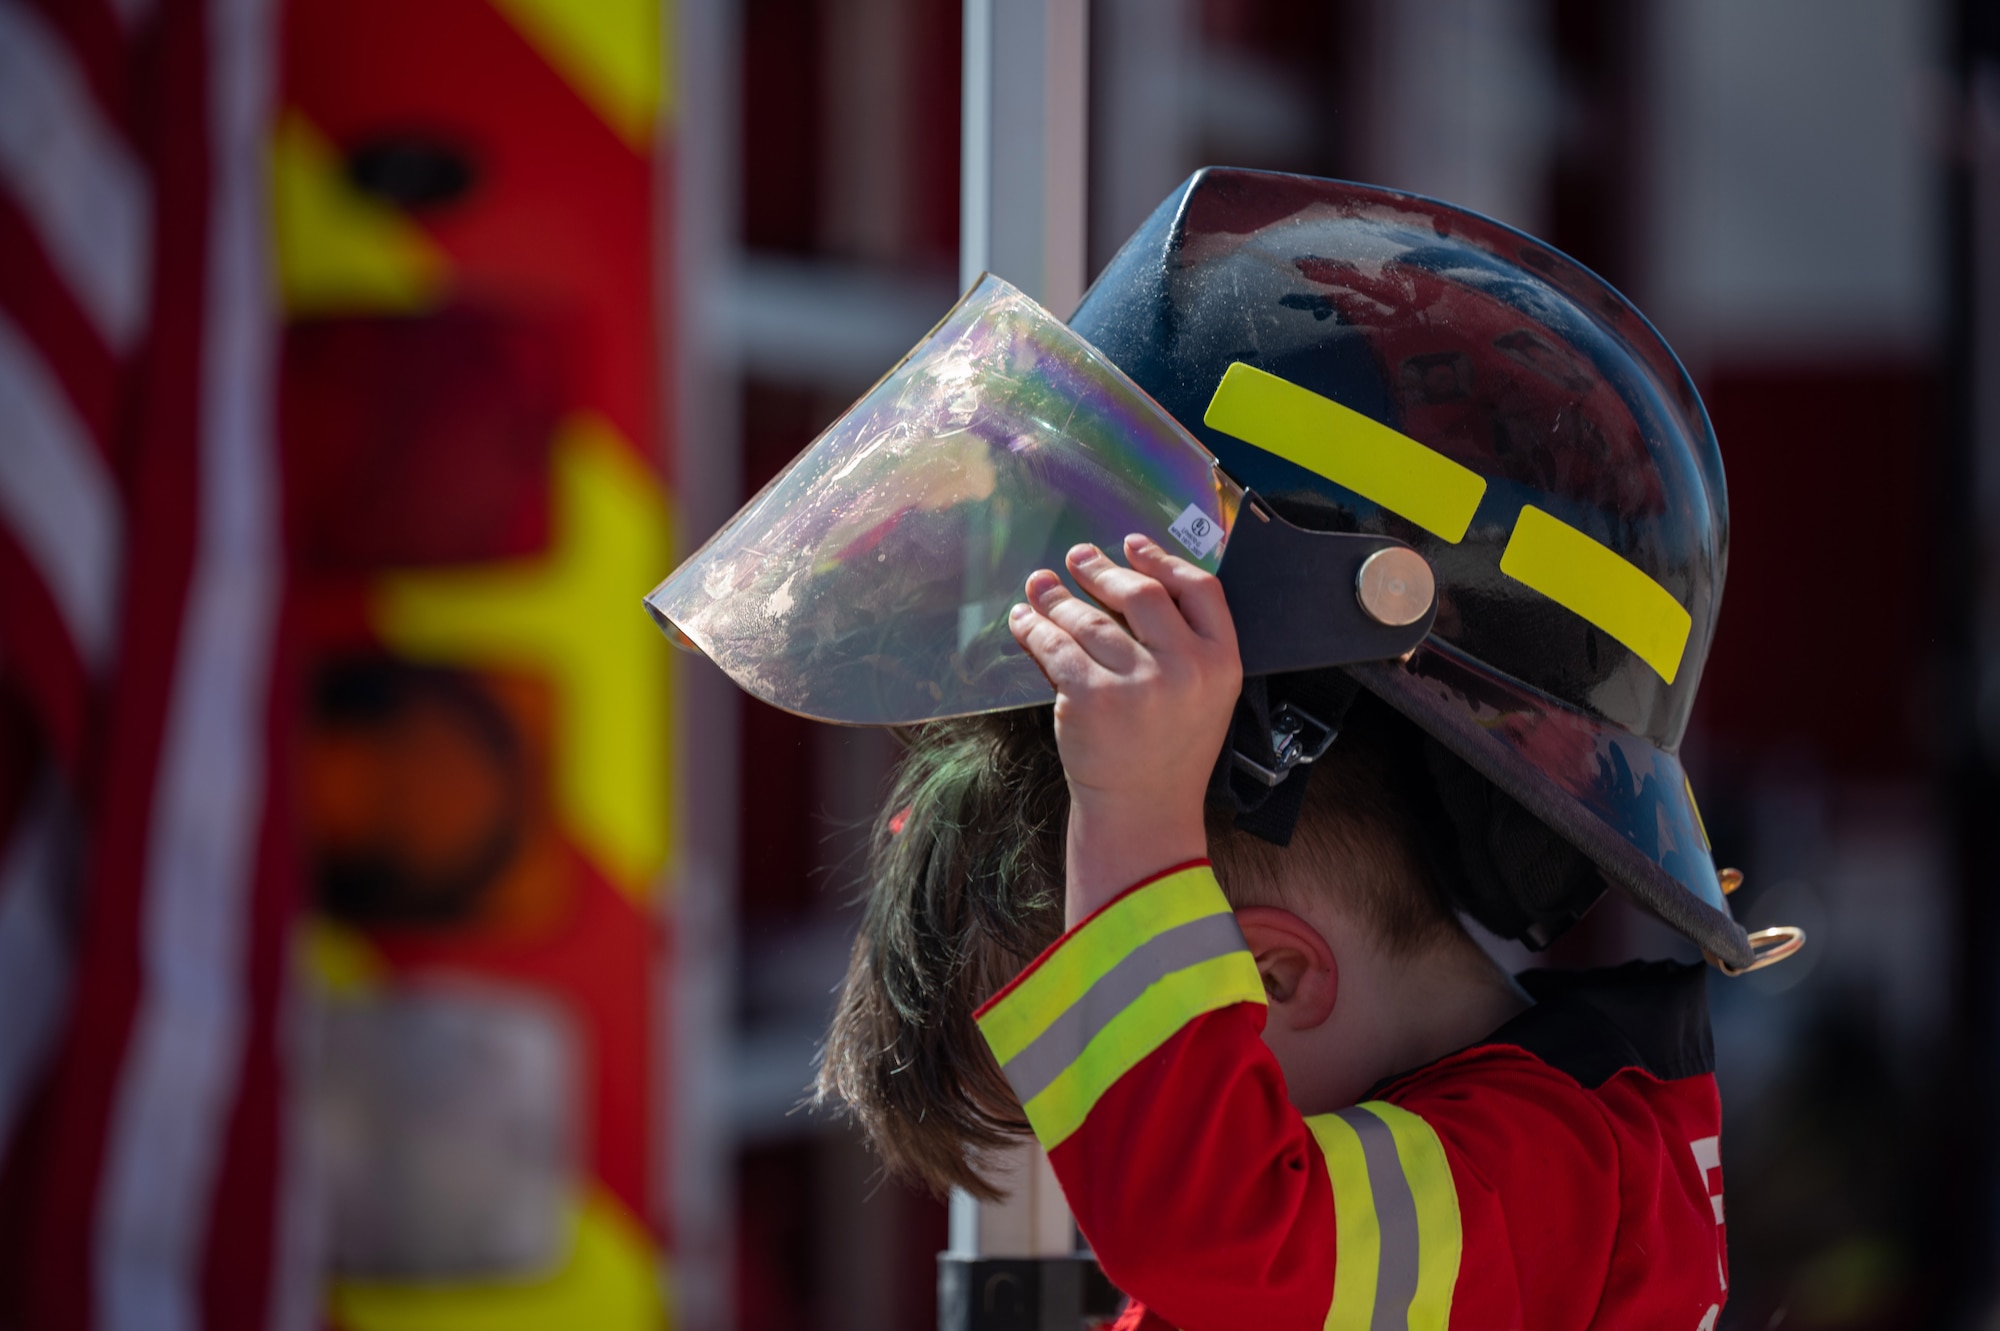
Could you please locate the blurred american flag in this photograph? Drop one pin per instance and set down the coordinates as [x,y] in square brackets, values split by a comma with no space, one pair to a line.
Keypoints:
[147,891]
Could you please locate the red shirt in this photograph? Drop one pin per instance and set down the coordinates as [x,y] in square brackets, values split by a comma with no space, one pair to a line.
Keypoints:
[1561,1174]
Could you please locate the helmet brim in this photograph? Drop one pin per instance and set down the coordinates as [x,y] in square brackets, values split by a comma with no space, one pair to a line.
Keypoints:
[1622,801]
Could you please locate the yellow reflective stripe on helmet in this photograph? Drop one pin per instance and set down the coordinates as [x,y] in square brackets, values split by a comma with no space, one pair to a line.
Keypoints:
[1357,1238]
[1409,479]
[1440,1239]
[1170,1003]
[1396,1225]
[1583,576]
[1097,946]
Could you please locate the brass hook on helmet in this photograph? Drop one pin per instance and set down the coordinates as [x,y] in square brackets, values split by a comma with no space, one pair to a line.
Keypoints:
[1768,947]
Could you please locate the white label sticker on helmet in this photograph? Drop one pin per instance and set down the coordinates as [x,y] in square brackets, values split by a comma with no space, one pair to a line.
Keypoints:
[1196,530]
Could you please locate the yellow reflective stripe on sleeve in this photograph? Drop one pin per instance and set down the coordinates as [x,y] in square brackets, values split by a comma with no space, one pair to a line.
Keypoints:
[1149,1022]
[1063,1041]
[1096,947]
[1440,1239]
[1357,1237]
[1115,990]
[1585,577]
[1376,462]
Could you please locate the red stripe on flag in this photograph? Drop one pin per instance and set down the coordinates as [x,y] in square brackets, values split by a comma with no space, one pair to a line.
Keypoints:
[49,316]
[41,661]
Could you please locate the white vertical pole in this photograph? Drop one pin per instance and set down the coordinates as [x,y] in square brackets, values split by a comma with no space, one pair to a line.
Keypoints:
[1025,127]
[1033,1220]
[1025,136]
[707,437]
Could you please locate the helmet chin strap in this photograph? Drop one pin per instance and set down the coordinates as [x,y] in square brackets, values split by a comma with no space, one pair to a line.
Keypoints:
[1305,602]
[1282,725]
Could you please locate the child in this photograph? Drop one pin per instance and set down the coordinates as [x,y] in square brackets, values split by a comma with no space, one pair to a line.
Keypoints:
[1301,1095]
[1508,1164]
[1287,1090]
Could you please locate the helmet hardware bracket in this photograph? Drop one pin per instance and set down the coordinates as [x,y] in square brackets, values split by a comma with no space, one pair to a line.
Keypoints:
[1295,595]
[1297,738]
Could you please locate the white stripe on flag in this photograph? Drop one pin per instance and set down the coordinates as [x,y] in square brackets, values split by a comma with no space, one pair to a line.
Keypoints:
[73,176]
[35,955]
[57,496]
[184,1066]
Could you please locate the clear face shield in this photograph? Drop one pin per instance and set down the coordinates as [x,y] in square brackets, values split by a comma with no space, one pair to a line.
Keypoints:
[870,582]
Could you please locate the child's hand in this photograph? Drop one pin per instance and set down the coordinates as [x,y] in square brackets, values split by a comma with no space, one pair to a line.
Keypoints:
[1142,708]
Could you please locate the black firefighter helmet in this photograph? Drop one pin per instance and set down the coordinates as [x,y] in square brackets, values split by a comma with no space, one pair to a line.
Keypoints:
[1564,486]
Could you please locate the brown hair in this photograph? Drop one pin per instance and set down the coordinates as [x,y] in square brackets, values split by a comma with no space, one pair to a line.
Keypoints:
[965,876]
[1361,829]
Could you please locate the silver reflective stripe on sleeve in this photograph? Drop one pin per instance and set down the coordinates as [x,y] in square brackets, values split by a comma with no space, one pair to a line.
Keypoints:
[1398,1234]
[1395,1215]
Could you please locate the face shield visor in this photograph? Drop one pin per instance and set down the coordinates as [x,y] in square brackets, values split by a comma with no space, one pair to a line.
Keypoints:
[870,582]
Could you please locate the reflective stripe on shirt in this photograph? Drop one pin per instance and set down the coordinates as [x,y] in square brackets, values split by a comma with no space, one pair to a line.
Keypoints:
[1113,991]
[1396,1221]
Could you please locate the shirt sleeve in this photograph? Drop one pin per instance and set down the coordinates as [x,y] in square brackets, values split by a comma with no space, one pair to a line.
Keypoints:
[1133,1044]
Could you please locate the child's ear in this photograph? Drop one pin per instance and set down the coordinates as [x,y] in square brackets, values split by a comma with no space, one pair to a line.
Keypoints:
[1300,976]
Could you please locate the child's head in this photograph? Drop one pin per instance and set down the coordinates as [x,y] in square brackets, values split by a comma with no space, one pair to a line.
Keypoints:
[965,888]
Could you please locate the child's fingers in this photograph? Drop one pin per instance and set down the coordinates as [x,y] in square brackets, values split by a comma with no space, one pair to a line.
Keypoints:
[1197,591]
[1064,663]
[1146,606]
[1103,637]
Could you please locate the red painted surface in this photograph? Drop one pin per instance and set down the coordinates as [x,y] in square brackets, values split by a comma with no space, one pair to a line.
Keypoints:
[559,219]
[1830,607]
[424,441]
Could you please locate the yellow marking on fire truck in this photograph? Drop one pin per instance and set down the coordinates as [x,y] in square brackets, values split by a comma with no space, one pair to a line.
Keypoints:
[607,1281]
[608,50]
[573,617]
[340,251]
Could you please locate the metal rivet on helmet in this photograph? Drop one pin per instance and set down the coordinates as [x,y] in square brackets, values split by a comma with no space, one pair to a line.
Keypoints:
[1395,586]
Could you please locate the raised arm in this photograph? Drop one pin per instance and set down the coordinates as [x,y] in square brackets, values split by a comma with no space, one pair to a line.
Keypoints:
[1133,1043]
